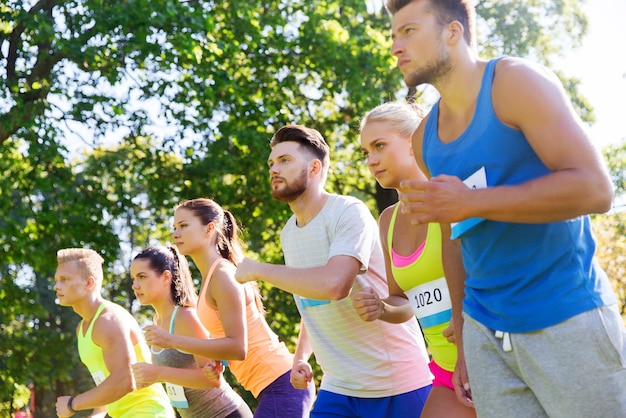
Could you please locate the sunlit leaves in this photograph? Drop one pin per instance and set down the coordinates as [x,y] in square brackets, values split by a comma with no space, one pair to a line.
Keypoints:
[616,161]
[610,229]
[176,100]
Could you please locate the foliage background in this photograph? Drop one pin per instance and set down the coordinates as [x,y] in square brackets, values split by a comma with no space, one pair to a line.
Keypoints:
[112,112]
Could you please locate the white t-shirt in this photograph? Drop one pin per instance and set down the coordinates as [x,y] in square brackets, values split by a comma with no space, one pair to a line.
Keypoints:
[362,359]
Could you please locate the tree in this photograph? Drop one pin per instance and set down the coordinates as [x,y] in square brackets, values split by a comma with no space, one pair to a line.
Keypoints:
[192,91]
[610,232]
[47,207]
[610,228]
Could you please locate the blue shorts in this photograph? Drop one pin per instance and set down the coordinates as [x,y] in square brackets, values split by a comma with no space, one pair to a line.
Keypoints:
[408,404]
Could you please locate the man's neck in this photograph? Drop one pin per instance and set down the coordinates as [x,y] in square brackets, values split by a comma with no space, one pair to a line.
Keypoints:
[87,310]
[459,94]
[459,89]
[87,307]
[307,206]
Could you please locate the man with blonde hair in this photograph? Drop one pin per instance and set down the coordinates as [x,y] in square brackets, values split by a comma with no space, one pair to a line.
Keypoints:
[109,341]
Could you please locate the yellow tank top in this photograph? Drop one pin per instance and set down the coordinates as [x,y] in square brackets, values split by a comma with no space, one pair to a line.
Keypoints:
[267,358]
[150,402]
[424,284]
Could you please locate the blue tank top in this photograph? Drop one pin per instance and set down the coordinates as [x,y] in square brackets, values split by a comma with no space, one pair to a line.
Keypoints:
[520,277]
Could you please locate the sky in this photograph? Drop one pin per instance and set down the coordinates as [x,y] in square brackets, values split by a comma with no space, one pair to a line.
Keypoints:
[600,65]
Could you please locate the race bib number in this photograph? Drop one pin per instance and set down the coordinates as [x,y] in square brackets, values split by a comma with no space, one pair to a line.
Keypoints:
[431,303]
[177,396]
[98,377]
[478,180]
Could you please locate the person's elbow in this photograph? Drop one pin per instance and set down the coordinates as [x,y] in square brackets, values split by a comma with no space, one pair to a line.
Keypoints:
[601,195]
[239,355]
[605,204]
[125,384]
[239,350]
[340,290]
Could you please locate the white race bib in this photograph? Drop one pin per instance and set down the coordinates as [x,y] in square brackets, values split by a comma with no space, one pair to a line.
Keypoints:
[98,377]
[478,180]
[431,302]
[176,393]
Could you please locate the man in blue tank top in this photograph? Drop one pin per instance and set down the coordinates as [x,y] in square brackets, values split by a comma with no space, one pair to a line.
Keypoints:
[515,175]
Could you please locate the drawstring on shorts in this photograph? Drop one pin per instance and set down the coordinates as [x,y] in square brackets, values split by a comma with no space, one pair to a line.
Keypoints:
[506,340]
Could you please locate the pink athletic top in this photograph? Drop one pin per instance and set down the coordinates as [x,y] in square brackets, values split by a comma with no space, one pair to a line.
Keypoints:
[406,260]
[267,358]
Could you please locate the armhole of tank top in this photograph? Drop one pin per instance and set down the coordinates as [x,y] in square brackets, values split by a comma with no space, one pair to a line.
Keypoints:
[419,251]
[390,228]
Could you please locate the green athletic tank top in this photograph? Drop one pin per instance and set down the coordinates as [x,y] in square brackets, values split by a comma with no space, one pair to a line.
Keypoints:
[424,284]
[150,402]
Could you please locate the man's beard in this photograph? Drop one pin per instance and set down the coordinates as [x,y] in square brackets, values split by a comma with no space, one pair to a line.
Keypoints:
[290,192]
[431,73]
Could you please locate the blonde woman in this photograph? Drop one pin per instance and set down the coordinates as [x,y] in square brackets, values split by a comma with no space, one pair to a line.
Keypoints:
[413,261]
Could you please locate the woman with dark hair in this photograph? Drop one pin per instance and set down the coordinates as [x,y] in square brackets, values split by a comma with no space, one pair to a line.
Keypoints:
[232,313]
[161,278]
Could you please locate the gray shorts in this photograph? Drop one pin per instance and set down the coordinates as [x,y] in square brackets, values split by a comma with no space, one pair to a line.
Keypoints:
[576,368]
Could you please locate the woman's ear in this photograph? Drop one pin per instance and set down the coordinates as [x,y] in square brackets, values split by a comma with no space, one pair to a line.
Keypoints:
[166,277]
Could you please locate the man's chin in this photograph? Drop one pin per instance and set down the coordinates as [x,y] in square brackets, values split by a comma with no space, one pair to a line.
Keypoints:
[280,197]
[411,82]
